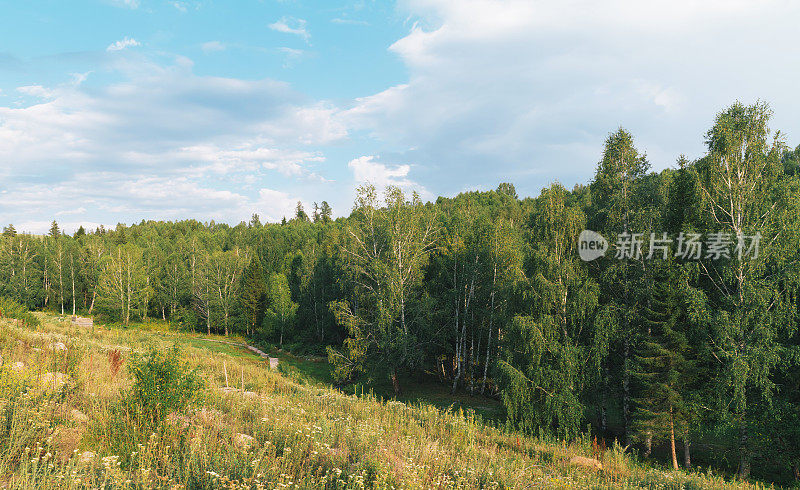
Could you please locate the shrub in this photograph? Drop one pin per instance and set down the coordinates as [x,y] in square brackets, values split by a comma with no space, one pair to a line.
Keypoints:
[11,309]
[163,383]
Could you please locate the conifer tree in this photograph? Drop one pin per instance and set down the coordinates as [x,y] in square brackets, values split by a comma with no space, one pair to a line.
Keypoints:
[325,212]
[299,212]
[615,211]
[662,367]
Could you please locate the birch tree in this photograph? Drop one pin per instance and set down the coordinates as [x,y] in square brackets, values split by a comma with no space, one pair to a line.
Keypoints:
[747,194]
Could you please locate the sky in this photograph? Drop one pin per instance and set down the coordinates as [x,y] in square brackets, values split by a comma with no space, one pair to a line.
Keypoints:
[122,110]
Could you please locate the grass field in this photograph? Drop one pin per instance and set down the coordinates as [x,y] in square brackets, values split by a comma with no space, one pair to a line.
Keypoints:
[68,421]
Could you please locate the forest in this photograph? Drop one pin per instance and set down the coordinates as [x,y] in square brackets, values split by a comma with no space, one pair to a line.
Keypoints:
[682,357]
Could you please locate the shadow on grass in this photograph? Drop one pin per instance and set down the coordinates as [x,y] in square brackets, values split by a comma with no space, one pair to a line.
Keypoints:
[316,370]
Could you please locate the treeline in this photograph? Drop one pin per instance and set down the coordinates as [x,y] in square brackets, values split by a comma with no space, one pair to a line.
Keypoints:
[660,347]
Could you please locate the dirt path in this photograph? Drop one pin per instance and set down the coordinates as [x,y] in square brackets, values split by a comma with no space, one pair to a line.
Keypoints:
[239,344]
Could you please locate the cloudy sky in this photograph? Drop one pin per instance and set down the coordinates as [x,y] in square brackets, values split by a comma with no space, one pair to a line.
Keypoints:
[118,110]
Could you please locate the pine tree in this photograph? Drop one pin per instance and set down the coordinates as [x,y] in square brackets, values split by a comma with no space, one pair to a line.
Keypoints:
[325,212]
[662,367]
[299,212]
[315,216]
[615,210]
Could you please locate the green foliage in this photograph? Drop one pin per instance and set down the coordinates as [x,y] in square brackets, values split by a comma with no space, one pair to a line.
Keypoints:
[484,292]
[350,361]
[281,310]
[12,309]
[123,288]
[544,370]
[253,294]
[162,383]
[664,368]
[388,249]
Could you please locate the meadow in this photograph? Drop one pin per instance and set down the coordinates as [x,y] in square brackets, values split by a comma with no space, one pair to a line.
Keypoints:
[138,408]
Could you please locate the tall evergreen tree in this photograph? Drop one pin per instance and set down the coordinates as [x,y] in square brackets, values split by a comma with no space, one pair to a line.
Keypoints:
[663,368]
[614,213]
[325,212]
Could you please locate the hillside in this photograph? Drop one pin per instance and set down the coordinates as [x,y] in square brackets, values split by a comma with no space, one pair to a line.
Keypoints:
[69,422]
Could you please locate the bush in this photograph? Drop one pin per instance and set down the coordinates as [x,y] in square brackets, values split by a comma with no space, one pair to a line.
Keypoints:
[163,383]
[11,309]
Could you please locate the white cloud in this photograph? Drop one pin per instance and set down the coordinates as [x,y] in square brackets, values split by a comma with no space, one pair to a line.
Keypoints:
[37,91]
[68,212]
[497,90]
[79,78]
[526,91]
[162,144]
[366,169]
[249,158]
[272,205]
[127,42]
[290,25]
[212,46]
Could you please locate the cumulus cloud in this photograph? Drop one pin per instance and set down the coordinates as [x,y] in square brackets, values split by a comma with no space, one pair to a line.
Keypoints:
[526,91]
[127,42]
[290,25]
[163,143]
[497,90]
[367,169]
[273,205]
[124,198]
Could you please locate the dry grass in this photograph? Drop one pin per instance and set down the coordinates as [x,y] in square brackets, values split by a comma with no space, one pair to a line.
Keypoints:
[274,434]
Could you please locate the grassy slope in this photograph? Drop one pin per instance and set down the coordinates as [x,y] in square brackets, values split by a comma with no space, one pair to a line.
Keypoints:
[316,369]
[304,434]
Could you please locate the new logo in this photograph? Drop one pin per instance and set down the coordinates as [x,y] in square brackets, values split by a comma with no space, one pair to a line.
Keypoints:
[591,245]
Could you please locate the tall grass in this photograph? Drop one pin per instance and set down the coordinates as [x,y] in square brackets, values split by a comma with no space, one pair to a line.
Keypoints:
[265,431]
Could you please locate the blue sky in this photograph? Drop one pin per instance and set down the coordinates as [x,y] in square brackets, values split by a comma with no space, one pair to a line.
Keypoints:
[118,110]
